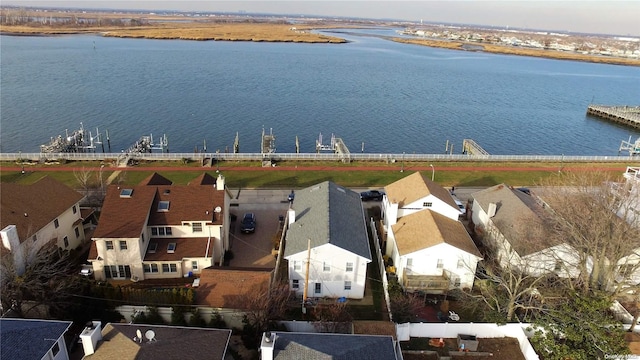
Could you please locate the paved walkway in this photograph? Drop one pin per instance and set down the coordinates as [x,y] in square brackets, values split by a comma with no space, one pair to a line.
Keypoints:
[321,168]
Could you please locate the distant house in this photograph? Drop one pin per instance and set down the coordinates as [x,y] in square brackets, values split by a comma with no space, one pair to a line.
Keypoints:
[160,230]
[139,341]
[28,339]
[432,253]
[328,219]
[415,193]
[38,214]
[295,346]
[509,218]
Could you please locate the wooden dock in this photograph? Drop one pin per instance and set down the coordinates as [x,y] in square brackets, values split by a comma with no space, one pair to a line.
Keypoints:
[625,115]
[471,147]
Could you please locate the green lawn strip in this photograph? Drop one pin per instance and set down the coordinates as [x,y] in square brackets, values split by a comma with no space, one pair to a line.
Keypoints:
[303,178]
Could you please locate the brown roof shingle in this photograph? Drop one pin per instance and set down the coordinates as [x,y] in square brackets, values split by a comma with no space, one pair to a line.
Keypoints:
[171,342]
[427,228]
[42,202]
[185,248]
[414,187]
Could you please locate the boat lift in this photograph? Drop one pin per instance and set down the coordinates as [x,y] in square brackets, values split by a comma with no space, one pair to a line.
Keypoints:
[632,147]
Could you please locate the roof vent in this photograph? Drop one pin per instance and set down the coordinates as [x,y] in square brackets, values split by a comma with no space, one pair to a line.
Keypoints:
[167,191]
[150,335]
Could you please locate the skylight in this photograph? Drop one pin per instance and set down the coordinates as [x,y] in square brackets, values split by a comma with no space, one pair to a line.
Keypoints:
[153,247]
[163,206]
[126,193]
[171,248]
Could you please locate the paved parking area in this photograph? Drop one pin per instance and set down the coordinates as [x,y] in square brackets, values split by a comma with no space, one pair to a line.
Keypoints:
[254,249]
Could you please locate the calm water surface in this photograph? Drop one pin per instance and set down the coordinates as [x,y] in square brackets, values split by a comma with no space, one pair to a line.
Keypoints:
[393,97]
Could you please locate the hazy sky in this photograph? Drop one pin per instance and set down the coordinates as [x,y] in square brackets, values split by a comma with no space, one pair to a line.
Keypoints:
[596,16]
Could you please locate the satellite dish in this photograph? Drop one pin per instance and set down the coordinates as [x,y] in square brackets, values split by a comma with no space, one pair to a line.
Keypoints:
[218,209]
[150,335]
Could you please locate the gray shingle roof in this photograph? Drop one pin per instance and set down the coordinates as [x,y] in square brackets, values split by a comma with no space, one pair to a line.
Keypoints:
[514,210]
[327,213]
[29,339]
[333,346]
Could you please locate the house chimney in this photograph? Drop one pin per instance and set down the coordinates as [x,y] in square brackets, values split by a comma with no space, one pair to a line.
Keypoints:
[267,345]
[90,336]
[220,182]
[291,214]
[11,241]
[492,210]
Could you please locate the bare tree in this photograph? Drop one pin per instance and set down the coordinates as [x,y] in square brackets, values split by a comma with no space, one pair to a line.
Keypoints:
[48,283]
[264,305]
[593,216]
[84,178]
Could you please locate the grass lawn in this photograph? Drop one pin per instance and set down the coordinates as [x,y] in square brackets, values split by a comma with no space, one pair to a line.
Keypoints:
[295,175]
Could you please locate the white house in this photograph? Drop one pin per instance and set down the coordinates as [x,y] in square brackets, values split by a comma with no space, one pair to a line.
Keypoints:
[510,219]
[35,215]
[160,230]
[329,220]
[415,193]
[31,339]
[432,253]
[630,208]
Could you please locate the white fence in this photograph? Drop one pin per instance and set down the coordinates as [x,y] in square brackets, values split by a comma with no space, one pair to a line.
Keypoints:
[479,330]
[233,318]
[383,272]
[388,158]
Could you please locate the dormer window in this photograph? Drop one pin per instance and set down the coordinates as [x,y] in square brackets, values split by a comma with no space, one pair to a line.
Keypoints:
[163,206]
[171,248]
[126,193]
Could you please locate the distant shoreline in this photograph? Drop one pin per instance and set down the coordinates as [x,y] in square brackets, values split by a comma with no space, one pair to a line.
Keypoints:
[303,33]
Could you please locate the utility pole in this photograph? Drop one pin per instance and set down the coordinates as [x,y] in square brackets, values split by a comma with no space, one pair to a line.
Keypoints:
[306,279]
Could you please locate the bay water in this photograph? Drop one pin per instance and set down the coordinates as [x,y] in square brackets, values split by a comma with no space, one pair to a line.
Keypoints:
[377,95]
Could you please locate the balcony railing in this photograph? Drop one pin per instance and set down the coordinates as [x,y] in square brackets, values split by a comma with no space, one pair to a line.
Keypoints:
[427,283]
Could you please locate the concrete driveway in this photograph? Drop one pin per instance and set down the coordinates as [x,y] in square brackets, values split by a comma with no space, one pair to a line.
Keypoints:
[254,249]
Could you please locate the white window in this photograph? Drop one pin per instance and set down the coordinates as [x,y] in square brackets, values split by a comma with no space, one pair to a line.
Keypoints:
[153,247]
[295,284]
[440,264]
[163,206]
[154,231]
[297,266]
[347,285]
[318,288]
[196,227]
[167,230]
[194,265]
[409,262]
[171,248]
[460,263]
[56,223]
[77,232]
[427,204]
[109,244]
[161,231]
[150,268]
[75,210]
[169,268]
[349,267]
[326,266]
[66,241]
[123,245]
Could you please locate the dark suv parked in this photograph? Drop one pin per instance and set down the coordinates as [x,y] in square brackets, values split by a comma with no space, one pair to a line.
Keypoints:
[248,223]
